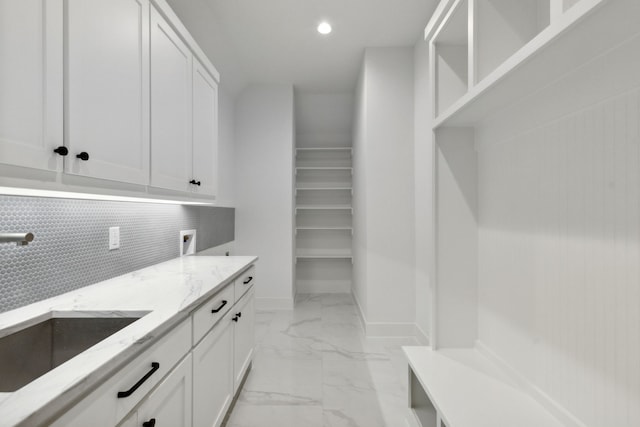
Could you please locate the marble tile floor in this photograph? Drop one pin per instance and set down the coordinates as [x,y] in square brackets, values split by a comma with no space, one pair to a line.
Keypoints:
[313,367]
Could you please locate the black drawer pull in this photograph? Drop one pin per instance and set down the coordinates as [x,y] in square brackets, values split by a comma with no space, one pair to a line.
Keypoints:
[83,156]
[249,279]
[154,367]
[62,150]
[224,302]
[150,423]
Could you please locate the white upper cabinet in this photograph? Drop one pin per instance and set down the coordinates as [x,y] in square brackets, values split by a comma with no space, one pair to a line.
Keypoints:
[31,83]
[107,81]
[184,115]
[114,90]
[171,97]
[205,130]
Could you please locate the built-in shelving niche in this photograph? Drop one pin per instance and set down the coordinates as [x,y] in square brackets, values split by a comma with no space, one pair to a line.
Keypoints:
[323,178]
[323,197]
[323,157]
[452,58]
[323,219]
[329,275]
[502,27]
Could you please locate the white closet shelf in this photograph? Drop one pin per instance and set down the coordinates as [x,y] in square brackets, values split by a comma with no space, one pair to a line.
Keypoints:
[323,254]
[324,228]
[528,69]
[324,189]
[324,207]
[469,390]
[325,168]
[349,229]
[324,149]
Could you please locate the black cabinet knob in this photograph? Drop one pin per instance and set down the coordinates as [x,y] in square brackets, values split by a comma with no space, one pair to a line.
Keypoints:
[62,150]
[235,319]
[83,156]
[150,423]
[239,314]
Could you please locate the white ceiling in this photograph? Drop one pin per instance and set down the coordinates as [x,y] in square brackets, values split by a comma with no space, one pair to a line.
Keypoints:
[275,41]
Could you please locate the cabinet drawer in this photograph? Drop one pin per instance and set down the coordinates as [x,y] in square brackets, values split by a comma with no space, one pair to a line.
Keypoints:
[211,311]
[245,281]
[103,407]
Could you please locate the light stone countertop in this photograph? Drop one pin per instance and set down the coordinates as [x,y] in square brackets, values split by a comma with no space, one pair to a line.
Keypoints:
[168,291]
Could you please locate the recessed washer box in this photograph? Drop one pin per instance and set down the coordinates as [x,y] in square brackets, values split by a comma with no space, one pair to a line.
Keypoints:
[187,242]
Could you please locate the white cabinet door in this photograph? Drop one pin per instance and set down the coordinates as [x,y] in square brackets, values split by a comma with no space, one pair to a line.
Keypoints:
[107,81]
[243,336]
[170,404]
[205,131]
[213,375]
[31,82]
[171,96]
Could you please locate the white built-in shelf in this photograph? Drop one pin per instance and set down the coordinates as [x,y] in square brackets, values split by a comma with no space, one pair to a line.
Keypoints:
[326,189]
[463,388]
[324,207]
[323,254]
[570,40]
[347,149]
[325,228]
[308,185]
[324,168]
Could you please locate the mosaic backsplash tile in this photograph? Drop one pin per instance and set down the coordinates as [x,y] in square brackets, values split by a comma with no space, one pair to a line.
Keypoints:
[71,245]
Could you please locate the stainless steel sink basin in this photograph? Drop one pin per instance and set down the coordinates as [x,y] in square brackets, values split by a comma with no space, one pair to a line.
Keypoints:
[31,352]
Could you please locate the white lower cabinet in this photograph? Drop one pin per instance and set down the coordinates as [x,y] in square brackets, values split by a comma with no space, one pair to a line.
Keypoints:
[188,378]
[125,389]
[244,313]
[170,404]
[213,374]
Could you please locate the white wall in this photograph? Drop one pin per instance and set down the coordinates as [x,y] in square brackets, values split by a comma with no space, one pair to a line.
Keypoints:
[359,199]
[423,190]
[559,277]
[226,150]
[384,161]
[264,188]
[324,118]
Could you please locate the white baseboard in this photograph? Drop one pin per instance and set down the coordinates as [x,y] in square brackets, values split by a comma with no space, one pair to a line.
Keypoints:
[389,329]
[267,304]
[540,396]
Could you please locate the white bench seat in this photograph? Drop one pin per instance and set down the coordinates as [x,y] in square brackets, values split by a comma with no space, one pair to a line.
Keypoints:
[462,388]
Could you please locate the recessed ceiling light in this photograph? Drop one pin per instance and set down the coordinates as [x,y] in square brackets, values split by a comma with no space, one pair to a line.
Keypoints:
[324,28]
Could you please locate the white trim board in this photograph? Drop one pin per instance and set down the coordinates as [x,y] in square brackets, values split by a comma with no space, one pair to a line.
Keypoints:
[390,329]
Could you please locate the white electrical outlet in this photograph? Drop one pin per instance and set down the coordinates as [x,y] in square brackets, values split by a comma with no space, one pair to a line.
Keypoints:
[114,238]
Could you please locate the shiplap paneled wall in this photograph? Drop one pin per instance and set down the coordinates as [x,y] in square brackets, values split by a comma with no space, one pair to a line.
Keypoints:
[559,254]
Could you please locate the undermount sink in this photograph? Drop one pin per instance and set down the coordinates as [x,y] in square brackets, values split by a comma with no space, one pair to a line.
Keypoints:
[31,352]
